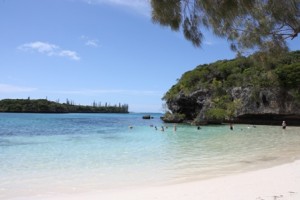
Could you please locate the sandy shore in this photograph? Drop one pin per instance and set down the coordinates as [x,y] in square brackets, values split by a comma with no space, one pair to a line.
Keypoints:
[277,183]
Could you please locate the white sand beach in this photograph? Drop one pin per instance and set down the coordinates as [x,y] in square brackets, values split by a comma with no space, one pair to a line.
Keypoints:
[280,182]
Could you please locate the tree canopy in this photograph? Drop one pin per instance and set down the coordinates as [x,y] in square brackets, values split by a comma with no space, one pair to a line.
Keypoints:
[263,25]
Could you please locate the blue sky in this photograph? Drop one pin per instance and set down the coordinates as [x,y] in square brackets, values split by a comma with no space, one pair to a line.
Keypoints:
[95,50]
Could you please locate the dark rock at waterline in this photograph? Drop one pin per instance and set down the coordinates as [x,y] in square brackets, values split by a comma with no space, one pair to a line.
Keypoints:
[147,117]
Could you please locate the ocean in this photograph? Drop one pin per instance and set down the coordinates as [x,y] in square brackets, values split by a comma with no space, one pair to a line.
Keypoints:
[48,154]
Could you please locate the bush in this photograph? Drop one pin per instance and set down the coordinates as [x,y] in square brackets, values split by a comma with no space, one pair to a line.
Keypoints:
[218,114]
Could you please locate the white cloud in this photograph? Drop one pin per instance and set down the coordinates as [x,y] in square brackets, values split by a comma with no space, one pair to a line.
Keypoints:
[49,50]
[41,47]
[209,43]
[90,42]
[5,88]
[141,6]
[71,54]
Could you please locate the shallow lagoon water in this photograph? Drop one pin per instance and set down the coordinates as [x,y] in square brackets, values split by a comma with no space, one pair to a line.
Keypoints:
[42,154]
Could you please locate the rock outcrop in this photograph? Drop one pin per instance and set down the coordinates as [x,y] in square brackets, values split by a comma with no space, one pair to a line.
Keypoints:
[265,106]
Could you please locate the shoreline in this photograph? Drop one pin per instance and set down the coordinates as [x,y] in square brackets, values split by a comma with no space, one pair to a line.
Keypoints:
[279,182]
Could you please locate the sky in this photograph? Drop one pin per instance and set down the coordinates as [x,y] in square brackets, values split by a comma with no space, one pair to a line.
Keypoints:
[95,50]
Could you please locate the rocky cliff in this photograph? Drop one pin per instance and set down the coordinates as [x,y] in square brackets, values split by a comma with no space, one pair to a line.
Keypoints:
[239,91]
[270,106]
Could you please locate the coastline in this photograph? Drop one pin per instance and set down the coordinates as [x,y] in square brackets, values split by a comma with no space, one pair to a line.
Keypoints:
[279,182]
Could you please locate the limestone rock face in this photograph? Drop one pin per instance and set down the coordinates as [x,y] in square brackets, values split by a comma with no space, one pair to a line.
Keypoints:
[190,105]
[264,106]
[266,101]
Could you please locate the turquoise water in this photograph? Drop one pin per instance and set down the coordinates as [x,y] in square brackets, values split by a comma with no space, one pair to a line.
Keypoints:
[44,154]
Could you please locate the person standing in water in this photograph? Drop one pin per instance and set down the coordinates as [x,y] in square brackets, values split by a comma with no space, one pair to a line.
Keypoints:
[283,125]
[231,126]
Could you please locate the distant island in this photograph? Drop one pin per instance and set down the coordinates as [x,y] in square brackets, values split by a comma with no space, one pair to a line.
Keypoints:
[46,106]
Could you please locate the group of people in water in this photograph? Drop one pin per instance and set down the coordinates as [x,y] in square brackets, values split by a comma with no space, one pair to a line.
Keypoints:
[174,127]
[198,127]
[283,125]
[163,127]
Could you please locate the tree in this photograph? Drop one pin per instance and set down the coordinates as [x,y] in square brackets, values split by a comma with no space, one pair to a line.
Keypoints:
[289,75]
[248,24]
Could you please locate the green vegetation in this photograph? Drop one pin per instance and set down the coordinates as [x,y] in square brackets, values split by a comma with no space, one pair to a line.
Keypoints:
[174,117]
[261,25]
[219,77]
[45,106]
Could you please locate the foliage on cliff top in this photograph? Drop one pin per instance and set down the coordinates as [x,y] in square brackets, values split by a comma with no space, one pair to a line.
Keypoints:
[45,106]
[283,71]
